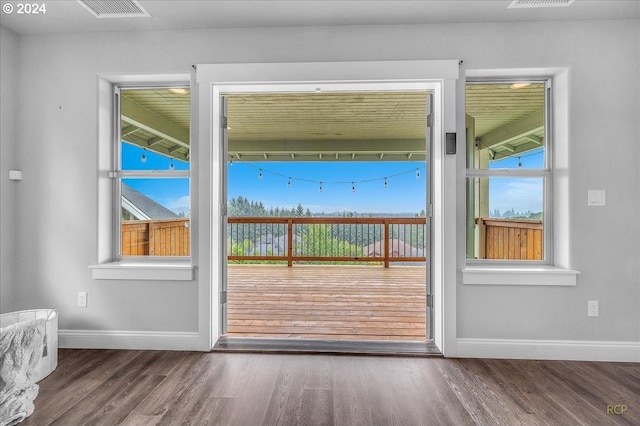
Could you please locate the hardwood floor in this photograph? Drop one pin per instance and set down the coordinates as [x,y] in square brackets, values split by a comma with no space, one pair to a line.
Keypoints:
[108,387]
[327,302]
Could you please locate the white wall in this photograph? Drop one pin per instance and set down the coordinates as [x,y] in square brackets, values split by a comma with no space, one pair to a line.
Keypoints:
[56,148]
[8,82]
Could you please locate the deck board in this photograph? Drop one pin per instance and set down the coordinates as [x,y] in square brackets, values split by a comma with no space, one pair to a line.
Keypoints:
[327,302]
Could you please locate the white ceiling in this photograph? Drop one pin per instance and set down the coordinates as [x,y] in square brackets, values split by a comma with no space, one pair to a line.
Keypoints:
[71,17]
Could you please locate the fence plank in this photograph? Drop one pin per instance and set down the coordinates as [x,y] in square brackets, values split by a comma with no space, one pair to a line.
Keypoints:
[513,239]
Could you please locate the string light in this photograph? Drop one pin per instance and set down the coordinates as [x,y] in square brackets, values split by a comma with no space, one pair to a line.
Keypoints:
[171,166]
[321,184]
[143,157]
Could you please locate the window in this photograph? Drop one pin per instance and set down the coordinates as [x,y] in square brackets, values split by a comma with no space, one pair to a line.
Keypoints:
[509,172]
[152,173]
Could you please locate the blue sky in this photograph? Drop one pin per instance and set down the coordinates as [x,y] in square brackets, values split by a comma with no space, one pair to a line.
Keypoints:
[172,193]
[404,193]
[522,194]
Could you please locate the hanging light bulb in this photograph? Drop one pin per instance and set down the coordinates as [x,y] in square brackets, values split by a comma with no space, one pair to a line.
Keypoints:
[320,186]
[143,157]
[260,174]
[519,162]
[171,166]
[417,173]
[289,183]
[353,187]
[386,184]
[230,162]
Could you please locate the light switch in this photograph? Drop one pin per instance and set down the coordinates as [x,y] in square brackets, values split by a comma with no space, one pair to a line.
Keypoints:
[15,174]
[596,197]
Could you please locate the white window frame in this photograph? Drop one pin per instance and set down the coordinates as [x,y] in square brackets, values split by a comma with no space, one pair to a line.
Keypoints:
[111,265]
[545,173]
[554,270]
[213,78]
[119,174]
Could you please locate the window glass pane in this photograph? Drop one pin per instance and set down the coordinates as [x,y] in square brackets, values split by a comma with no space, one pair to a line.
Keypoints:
[134,157]
[154,128]
[505,125]
[155,217]
[505,218]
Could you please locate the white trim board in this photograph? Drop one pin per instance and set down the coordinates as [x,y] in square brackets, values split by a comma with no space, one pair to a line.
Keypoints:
[139,340]
[569,350]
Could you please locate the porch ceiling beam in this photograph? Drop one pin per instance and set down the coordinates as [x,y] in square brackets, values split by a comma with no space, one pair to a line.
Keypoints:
[330,147]
[515,130]
[136,140]
[314,157]
[536,139]
[139,116]
[128,130]
[520,149]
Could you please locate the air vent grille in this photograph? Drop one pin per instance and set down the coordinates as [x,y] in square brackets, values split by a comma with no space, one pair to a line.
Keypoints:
[521,4]
[115,8]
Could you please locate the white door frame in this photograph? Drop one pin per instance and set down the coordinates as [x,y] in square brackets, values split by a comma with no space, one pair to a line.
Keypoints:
[214,80]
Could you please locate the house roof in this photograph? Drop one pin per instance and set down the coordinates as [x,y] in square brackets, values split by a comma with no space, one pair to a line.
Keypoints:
[395,245]
[143,207]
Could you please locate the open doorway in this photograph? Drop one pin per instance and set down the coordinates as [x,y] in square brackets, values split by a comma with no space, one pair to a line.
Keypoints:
[327,216]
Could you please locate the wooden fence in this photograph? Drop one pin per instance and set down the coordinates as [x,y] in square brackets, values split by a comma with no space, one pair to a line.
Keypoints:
[313,239]
[513,239]
[169,237]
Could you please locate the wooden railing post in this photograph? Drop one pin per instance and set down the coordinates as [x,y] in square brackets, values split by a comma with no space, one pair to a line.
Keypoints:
[482,235]
[290,242]
[386,243]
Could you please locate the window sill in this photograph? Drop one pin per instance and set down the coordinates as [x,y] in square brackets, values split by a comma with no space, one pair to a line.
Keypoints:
[543,275]
[166,271]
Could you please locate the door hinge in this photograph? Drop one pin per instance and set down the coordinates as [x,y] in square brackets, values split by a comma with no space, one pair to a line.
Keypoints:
[429,301]
[223,122]
[430,210]
[429,124]
[223,297]
[223,210]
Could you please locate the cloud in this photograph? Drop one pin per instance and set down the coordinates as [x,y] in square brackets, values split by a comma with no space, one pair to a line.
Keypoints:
[521,195]
[179,205]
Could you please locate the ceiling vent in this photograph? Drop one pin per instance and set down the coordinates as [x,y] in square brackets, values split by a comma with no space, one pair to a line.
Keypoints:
[115,8]
[523,4]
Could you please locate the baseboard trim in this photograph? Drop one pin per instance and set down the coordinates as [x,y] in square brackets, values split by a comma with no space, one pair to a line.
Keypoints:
[570,350]
[143,340]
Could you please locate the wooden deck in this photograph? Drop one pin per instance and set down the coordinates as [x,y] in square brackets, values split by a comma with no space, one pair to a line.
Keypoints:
[327,302]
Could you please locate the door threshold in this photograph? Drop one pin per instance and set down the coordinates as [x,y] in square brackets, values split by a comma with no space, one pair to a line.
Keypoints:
[326,347]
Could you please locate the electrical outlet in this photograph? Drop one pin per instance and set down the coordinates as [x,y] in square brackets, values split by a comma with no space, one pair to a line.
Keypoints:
[82,299]
[593,308]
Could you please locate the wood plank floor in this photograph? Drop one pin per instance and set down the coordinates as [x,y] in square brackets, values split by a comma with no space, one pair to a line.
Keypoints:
[327,302]
[109,387]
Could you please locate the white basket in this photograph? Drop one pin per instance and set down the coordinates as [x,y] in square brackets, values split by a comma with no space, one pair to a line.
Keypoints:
[49,360]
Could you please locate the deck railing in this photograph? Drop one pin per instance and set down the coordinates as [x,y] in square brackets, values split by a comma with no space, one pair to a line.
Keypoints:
[514,239]
[166,237]
[313,239]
